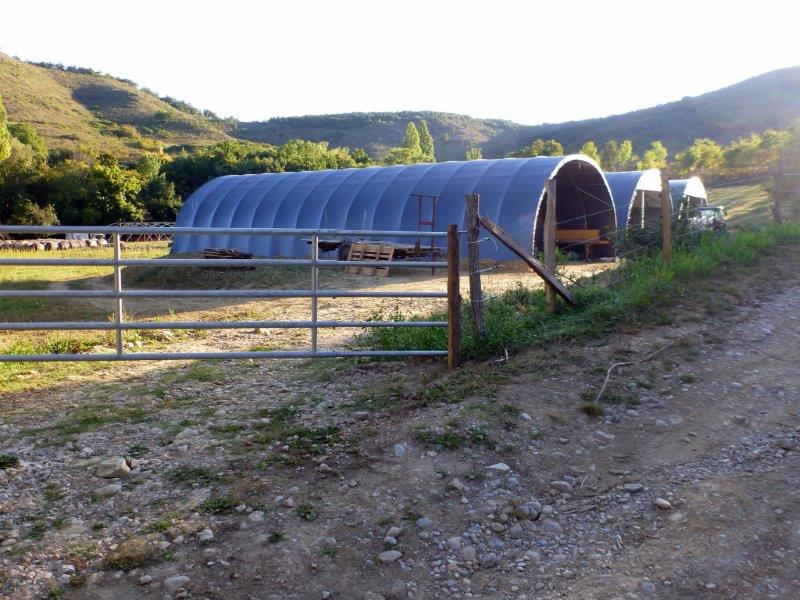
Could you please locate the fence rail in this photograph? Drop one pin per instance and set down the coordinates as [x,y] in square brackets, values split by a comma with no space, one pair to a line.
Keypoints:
[119,294]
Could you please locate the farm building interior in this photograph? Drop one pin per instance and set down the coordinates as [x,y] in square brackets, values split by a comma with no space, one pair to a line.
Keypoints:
[399,198]
[584,211]
[637,198]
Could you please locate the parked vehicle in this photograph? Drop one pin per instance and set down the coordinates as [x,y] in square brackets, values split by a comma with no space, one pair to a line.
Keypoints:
[710,218]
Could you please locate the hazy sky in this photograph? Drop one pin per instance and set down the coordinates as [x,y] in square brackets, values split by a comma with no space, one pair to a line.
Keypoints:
[528,61]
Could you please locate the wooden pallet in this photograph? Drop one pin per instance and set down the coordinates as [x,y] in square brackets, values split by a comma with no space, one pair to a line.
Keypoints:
[367,251]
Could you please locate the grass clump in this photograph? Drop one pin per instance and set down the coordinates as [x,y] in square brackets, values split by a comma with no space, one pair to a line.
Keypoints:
[307,512]
[592,409]
[197,476]
[219,505]
[634,292]
[9,461]
[88,418]
[452,438]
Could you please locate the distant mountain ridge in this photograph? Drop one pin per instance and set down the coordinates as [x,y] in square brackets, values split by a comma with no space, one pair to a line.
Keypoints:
[771,100]
[84,111]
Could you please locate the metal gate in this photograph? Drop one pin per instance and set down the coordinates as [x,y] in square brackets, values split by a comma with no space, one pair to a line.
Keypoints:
[119,325]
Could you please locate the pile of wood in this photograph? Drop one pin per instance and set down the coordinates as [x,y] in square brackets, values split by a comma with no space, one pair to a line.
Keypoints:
[51,244]
[227,253]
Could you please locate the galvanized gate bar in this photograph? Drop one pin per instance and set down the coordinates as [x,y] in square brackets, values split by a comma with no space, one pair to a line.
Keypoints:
[213,355]
[151,325]
[214,294]
[57,229]
[118,311]
[118,294]
[314,290]
[213,262]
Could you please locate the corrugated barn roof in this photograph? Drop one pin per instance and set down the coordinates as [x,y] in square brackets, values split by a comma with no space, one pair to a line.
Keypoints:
[381,198]
[624,186]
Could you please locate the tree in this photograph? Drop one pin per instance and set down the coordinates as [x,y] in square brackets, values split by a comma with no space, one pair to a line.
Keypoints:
[5,136]
[474,153]
[654,157]
[703,154]
[590,150]
[411,141]
[541,148]
[27,212]
[159,200]
[28,135]
[411,150]
[148,166]
[608,156]
[113,194]
[626,159]
[617,156]
[426,141]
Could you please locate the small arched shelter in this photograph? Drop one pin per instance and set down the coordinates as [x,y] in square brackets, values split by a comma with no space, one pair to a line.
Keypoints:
[687,193]
[512,192]
[637,198]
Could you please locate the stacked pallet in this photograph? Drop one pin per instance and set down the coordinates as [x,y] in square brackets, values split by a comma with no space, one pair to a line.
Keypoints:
[370,251]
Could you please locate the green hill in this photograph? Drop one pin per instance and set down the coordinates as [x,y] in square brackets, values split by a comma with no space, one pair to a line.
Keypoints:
[88,112]
[768,101]
[377,132]
[763,102]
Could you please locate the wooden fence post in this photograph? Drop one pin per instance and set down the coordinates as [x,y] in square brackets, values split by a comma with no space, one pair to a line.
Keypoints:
[666,219]
[550,241]
[453,299]
[777,190]
[473,253]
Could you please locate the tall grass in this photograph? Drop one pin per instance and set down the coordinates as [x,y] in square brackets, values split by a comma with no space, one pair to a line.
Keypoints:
[635,291]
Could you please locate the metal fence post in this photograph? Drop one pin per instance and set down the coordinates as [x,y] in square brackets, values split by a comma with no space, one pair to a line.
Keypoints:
[453,299]
[118,314]
[314,290]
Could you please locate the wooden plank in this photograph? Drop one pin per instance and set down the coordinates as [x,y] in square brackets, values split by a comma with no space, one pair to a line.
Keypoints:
[473,253]
[385,253]
[534,264]
[453,299]
[356,253]
[578,235]
[666,219]
[550,242]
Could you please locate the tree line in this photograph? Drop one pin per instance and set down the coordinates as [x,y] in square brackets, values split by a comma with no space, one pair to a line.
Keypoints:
[48,187]
[750,154]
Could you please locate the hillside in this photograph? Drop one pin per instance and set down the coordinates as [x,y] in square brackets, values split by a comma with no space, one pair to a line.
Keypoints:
[91,112]
[763,102]
[85,111]
[767,101]
[377,132]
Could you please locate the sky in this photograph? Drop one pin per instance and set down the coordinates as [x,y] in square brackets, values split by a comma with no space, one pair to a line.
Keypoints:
[526,61]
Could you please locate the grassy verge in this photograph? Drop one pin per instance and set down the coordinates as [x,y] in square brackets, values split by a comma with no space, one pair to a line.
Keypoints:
[637,291]
[747,205]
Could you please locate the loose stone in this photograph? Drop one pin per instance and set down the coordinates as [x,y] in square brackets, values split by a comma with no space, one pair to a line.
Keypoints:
[389,556]
[662,503]
[176,582]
